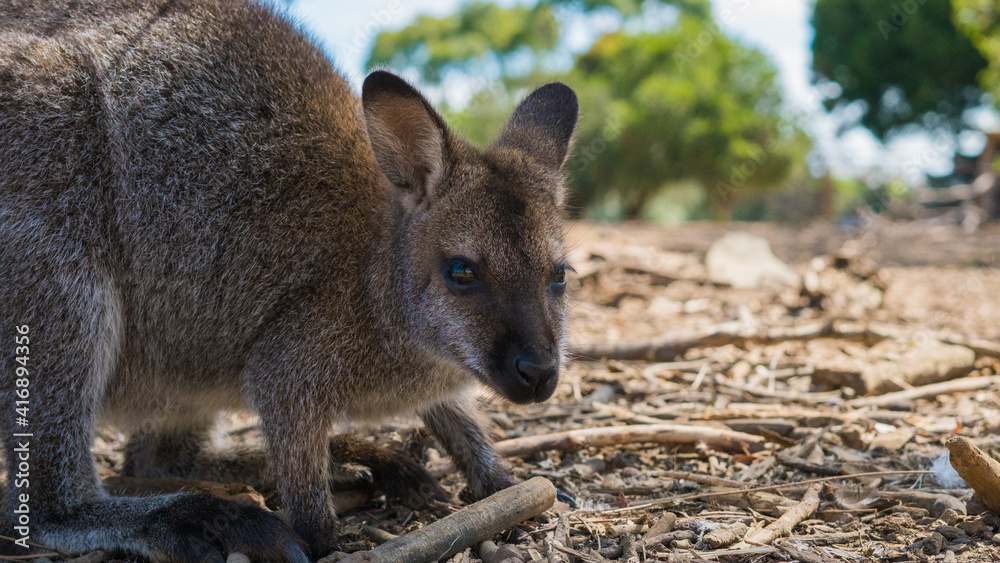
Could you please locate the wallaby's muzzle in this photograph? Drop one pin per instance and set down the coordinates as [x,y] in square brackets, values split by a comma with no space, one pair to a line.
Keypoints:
[540,374]
[527,376]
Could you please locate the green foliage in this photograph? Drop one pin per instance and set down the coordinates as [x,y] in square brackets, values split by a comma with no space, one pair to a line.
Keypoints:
[479,33]
[680,105]
[904,59]
[482,33]
[663,112]
[980,21]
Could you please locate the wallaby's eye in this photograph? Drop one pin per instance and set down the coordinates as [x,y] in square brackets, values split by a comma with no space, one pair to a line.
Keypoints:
[459,272]
[560,275]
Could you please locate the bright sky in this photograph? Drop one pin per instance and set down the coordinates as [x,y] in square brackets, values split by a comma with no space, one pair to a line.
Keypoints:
[780,28]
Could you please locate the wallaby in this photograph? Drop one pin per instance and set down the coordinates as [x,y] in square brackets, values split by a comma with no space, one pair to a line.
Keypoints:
[197,213]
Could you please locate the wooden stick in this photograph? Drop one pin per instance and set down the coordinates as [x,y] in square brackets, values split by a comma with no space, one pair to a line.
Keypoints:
[944,388]
[692,496]
[979,470]
[790,396]
[571,440]
[795,462]
[668,347]
[378,536]
[805,554]
[725,535]
[629,552]
[700,478]
[731,553]
[783,526]
[467,527]
[625,414]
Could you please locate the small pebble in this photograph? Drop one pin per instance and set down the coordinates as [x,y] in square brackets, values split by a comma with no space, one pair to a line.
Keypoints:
[951,532]
[629,472]
[975,527]
[931,545]
[950,517]
[945,502]
[977,506]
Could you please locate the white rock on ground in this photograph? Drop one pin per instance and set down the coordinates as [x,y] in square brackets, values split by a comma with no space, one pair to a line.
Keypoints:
[745,260]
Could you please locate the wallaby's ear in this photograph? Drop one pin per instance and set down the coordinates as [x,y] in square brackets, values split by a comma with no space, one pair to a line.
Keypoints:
[542,125]
[407,135]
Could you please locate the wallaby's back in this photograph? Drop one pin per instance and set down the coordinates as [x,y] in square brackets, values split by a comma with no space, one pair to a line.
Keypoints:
[192,149]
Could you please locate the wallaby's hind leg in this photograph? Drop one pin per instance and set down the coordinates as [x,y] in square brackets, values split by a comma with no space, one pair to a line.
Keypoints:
[74,327]
[179,451]
[65,332]
[460,431]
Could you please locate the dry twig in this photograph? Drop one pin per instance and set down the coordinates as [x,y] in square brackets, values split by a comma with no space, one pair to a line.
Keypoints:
[467,527]
[572,440]
[783,526]
[691,496]
[668,347]
[944,388]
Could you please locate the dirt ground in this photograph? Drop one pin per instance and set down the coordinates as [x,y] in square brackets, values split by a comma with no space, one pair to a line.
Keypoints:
[797,379]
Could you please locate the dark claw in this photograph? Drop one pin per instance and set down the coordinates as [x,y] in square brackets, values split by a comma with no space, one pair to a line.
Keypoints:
[295,553]
[563,497]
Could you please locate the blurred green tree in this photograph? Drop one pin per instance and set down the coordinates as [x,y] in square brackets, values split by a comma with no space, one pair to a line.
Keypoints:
[678,103]
[980,21]
[480,33]
[905,61]
[670,112]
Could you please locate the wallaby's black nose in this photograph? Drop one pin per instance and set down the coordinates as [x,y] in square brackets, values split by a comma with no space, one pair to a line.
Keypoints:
[539,374]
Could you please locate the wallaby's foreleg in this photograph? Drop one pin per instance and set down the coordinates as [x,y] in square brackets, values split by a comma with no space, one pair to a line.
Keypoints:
[295,420]
[461,433]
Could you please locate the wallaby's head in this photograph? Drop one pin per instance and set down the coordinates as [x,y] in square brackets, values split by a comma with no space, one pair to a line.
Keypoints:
[479,233]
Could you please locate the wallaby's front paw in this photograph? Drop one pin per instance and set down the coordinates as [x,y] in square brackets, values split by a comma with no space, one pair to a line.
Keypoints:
[201,528]
[411,484]
[321,533]
[486,487]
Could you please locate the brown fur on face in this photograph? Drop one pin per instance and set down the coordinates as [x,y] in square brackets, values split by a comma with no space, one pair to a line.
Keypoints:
[196,213]
[499,210]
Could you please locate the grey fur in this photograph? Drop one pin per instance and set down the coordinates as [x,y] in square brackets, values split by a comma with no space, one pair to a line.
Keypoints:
[196,213]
